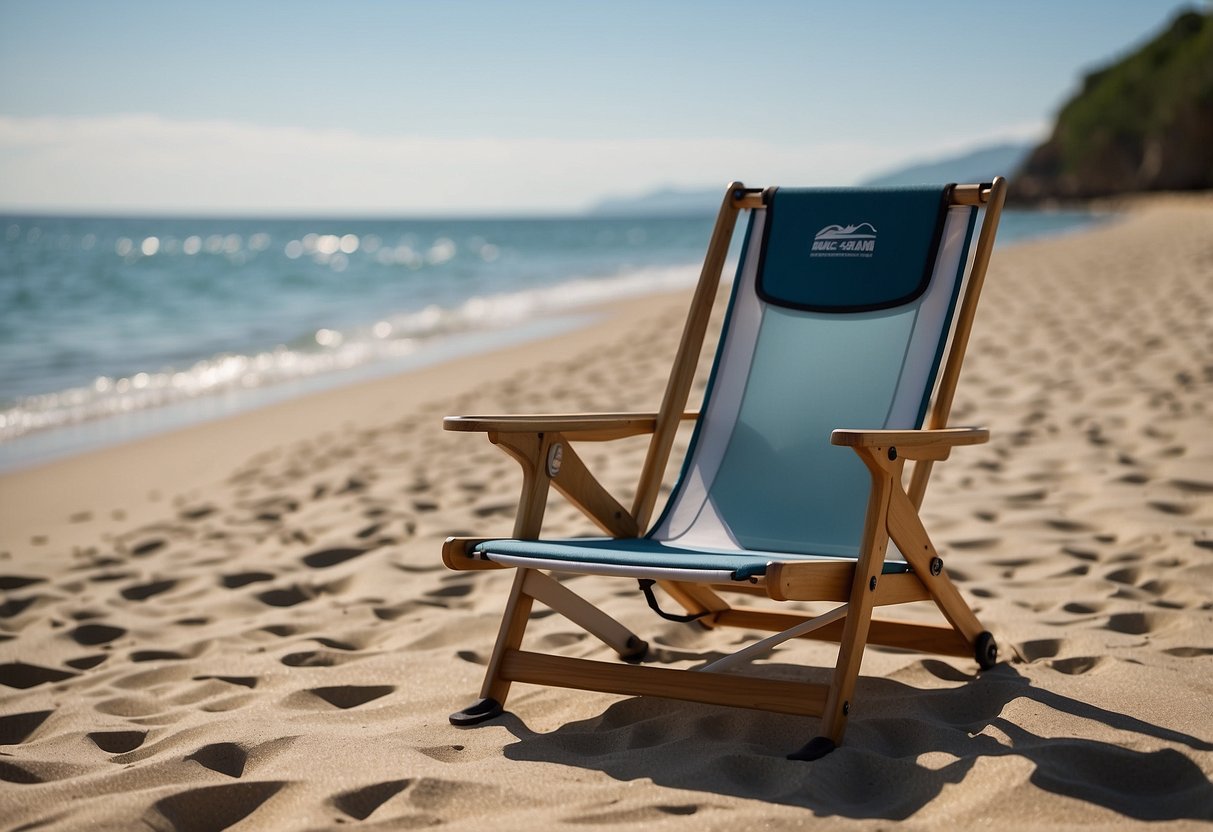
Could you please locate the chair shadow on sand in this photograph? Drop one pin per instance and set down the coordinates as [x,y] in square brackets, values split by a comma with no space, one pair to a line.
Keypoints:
[877,774]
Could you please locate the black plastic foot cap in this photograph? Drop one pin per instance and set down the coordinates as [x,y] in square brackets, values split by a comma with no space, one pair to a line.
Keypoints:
[817,748]
[985,650]
[479,711]
[636,650]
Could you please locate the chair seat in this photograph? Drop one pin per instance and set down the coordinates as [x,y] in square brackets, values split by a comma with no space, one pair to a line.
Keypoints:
[644,553]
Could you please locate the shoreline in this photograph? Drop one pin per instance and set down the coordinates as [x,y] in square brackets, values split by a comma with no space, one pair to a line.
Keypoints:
[198,453]
[109,422]
[247,622]
[48,445]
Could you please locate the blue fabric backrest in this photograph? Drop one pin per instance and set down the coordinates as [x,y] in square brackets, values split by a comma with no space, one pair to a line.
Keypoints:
[823,343]
[850,251]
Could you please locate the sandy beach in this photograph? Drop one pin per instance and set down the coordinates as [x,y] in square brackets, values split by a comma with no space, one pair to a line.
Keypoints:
[247,623]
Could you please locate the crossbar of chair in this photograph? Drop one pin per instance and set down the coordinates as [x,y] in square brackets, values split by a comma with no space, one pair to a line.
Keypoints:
[761,648]
[572,606]
[905,635]
[730,689]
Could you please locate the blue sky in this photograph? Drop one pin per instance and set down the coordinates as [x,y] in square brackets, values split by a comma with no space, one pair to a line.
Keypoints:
[487,107]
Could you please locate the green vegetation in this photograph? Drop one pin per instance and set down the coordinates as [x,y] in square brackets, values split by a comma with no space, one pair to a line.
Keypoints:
[1143,123]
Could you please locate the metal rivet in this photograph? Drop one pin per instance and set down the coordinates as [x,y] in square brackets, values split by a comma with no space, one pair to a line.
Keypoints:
[846,708]
[892,454]
[555,457]
[936,566]
[872,584]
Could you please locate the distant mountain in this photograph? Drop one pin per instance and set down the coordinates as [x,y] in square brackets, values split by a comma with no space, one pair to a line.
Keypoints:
[666,202]
[979,165]
[1144,123]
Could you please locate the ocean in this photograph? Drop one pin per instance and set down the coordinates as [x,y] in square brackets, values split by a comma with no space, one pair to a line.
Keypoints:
[112,328]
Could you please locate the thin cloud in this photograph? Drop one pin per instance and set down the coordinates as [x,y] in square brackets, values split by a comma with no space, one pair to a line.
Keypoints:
[147,163]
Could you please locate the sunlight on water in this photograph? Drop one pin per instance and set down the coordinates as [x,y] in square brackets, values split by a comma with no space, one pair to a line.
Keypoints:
[103,317]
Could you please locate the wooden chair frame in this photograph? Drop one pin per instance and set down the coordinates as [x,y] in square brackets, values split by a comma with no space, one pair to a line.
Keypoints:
[542,445]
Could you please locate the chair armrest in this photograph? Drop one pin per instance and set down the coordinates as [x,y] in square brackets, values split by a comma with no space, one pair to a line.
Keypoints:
[912,444]
[583,426]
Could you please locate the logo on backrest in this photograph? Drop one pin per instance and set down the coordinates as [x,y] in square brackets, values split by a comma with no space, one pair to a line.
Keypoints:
[845,241]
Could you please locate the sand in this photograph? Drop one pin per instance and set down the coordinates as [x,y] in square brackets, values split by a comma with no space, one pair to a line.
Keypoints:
[247,623]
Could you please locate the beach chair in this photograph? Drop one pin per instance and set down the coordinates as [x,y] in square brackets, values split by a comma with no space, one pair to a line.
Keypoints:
[847,325]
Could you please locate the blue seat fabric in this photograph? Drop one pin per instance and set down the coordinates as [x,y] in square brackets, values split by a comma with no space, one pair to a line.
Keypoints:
[653,554]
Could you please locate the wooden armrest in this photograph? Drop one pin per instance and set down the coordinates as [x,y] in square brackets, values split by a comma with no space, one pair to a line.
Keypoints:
[583,426]
[909,438]
[912,444]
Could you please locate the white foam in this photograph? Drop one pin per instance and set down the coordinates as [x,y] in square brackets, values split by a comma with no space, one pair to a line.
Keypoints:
[327,350]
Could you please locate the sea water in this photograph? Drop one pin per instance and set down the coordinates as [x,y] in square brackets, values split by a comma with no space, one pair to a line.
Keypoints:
[112,327]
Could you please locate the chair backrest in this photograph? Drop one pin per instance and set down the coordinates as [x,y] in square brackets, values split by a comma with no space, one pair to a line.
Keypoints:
[839,317]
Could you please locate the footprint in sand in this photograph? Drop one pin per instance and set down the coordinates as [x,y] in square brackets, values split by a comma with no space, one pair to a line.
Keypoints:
[197,512]
[210,807]
[156,656]
[1078,665]
[11,582]
[458,590]
[242,681]
[1193,486]
[1124,575]
[224,757]
[1138,623]
[109,577]
[148,547]
[331,557]
[351,696]
[15,606]
[87,662]
[1189,652]
[472,657]
[1081,554]
[280,630]
[287,597]
[141,592]
[1063,525]
[400,610]
[1045,648]
[974,543]
[1174,509]
[364,533]
[240,579]
[90,635]
[430,793]
[447,753]
[315,658]
[13,773]
[23,676]
[360,804]
[117,742]
[641,814]
[16,728]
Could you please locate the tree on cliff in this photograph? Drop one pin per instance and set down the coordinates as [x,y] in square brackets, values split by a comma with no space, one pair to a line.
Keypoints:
[1144,123]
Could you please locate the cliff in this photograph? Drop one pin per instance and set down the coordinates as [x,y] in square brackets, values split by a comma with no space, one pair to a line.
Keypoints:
[1144,123]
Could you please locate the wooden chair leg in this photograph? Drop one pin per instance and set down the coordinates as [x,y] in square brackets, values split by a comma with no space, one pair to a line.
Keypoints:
[859,612]
[530,451]
[495,689]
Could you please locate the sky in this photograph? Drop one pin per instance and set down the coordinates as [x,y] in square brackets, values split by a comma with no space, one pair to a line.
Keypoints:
[472,107]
